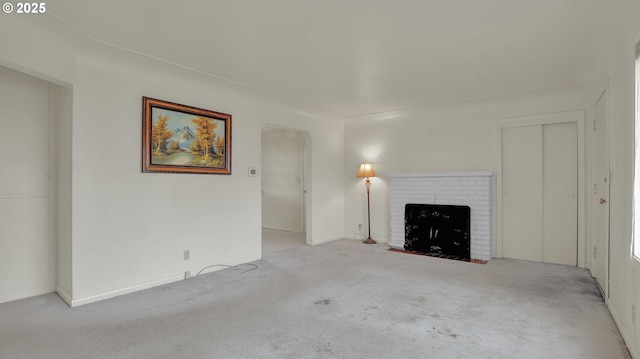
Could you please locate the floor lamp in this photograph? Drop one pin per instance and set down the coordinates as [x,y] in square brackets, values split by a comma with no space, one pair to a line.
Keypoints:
[366,171]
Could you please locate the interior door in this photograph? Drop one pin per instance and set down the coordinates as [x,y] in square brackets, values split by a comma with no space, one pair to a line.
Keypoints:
[600,195]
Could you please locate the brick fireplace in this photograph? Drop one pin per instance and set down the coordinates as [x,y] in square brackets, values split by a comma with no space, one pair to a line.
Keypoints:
[473,189]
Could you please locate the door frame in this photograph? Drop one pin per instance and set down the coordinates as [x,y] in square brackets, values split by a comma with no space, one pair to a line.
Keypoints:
[577,116]
[604,287]
[305,151]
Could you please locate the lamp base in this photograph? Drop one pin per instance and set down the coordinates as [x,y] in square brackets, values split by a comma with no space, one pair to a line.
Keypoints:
[369,241]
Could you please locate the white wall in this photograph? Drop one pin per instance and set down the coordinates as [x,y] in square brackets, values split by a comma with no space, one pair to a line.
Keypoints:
[128,230]
[614,71]
[454,137]
[40,46]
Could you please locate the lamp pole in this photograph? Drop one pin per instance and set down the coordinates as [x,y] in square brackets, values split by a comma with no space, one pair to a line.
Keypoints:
[366,171]
[369,240]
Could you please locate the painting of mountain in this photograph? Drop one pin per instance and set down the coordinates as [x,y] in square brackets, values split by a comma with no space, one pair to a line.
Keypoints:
[180,138]
[184,136]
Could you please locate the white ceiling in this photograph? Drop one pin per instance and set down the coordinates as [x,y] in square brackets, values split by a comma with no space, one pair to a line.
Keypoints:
[351,57]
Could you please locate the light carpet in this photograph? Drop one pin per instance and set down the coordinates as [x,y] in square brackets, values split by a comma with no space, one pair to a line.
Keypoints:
[342,299]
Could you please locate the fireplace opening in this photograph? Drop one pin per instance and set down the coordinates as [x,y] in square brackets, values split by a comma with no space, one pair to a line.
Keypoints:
[438,230]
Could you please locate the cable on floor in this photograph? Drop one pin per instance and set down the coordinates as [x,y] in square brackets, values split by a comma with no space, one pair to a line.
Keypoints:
[229,266]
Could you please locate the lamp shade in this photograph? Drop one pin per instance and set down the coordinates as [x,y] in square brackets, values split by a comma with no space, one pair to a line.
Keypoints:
[366,170]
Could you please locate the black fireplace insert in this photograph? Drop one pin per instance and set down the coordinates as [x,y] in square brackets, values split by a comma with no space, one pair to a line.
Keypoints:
[438,230]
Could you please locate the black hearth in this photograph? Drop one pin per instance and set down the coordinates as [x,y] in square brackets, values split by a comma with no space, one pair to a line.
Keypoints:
[438,230]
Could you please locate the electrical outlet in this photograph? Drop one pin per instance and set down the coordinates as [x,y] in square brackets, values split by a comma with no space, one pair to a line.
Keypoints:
[187,255]
[633,314]
[359,227]
[187,275]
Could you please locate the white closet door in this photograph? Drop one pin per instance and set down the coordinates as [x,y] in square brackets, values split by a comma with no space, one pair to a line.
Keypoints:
[560,193]
[25,246]
[540,187]
[522,192]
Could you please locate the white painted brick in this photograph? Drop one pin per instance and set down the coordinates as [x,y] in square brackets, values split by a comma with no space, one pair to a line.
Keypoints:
[473,190]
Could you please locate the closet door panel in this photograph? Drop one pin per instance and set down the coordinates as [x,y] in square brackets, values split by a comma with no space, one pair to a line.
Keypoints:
[522,192]
[560,193]
[25,243]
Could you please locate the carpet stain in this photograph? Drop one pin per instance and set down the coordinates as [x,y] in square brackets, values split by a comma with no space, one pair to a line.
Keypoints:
[325,348]
[445,332]
[323,302]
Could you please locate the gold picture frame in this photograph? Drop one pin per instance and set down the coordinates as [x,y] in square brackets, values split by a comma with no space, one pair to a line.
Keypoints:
[184,139]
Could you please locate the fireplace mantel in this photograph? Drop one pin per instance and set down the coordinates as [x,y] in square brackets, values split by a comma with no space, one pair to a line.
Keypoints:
[443,174]
[473,189]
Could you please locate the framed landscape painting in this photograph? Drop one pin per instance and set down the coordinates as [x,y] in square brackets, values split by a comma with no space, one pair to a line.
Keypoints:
[184,139]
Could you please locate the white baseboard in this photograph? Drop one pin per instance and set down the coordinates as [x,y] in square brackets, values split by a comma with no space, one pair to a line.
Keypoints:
[21,294]
[64,295]
[325,240]
[123,291]
[74,302]
[628,340]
